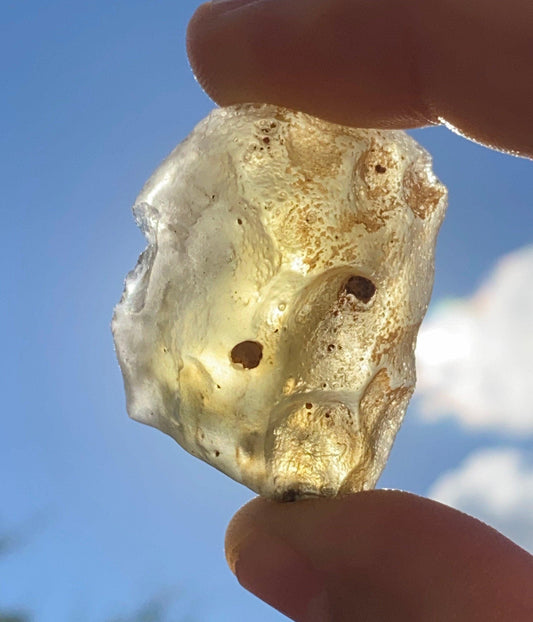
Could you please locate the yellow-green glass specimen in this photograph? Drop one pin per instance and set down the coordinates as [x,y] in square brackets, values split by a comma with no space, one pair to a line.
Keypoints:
[270,325]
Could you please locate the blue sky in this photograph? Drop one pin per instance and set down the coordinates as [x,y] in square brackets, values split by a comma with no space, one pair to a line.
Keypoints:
[106,513]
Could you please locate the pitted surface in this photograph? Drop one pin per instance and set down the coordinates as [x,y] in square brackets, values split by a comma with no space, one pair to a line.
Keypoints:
[270,325]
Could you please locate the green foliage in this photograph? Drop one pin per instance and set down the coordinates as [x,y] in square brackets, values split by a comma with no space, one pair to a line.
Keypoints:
[7,544]
[155,610]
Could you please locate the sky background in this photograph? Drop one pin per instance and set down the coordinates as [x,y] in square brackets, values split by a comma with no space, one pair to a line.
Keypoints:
[100,515]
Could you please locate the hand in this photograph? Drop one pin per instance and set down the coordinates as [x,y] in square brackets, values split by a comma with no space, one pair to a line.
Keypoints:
[380,555]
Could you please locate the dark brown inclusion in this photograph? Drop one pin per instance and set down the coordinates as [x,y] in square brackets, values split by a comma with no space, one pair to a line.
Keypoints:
[360,287]
[248,354]
[290,495]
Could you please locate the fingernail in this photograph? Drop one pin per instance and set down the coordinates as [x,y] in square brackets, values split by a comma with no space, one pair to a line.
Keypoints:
[282,577]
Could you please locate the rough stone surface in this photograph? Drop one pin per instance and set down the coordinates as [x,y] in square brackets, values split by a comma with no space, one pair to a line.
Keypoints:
[270,325]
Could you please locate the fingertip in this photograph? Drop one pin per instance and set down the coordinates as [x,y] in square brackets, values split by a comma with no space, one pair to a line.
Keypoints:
[383,554]
[239,529]
[386,63]
[194,43]
[271,568]
[310,55]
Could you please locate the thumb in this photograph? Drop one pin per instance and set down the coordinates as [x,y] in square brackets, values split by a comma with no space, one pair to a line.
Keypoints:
[378,63]
[379,555]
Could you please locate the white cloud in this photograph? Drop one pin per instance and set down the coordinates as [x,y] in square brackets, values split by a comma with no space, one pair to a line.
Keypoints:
[475,356]
[496,486]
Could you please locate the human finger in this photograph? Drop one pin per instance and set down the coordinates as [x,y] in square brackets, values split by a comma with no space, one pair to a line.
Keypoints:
[378,555]
[379,63]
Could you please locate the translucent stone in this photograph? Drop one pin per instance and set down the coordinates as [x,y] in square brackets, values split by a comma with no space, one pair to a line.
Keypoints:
[270,325]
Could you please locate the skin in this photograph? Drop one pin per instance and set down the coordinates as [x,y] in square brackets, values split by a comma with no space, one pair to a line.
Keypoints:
[379,555]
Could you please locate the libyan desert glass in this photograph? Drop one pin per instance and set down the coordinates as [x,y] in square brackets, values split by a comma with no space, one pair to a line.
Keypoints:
[269,327]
